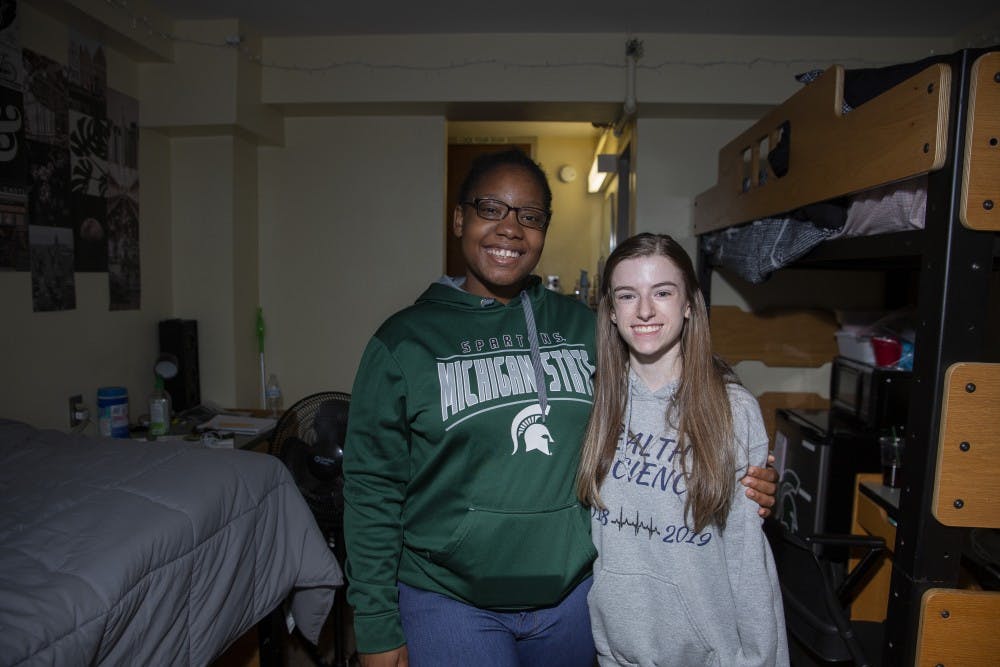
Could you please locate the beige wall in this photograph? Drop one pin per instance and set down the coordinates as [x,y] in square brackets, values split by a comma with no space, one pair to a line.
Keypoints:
[203,232]
[350,231]
[343,197]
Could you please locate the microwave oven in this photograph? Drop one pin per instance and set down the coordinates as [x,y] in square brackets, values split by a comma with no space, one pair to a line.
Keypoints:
[875,397]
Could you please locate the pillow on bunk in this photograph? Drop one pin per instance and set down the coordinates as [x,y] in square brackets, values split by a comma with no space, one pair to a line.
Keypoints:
[897,207]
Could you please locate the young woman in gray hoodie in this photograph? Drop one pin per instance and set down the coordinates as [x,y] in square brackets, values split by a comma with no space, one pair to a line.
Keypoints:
[684,574]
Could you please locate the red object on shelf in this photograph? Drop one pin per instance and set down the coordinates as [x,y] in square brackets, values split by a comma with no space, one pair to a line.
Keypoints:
[887,350]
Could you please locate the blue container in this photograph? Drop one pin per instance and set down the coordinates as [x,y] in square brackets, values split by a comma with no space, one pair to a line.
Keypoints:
[112,411]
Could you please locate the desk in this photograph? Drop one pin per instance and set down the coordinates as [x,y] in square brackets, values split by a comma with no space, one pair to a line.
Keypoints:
[186,428]
[885,497]
[255,443]
[876,508]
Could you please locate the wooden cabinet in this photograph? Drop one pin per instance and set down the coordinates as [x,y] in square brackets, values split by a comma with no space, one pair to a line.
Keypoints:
[871,516]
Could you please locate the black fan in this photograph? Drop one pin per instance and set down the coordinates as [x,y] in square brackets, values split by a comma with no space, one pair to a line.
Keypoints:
[309,439]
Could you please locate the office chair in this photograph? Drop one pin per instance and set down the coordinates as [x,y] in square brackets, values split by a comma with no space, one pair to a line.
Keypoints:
[817,595]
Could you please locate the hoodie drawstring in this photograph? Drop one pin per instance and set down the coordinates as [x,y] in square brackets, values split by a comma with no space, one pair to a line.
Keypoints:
[536,357]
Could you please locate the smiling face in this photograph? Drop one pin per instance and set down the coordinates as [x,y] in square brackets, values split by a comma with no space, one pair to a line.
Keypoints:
[649,308]
[500,254]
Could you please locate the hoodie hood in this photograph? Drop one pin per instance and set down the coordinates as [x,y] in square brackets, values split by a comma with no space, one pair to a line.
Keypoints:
[638,389]
[451,291]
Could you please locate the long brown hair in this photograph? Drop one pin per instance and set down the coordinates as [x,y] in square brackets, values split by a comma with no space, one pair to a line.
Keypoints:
[700,408]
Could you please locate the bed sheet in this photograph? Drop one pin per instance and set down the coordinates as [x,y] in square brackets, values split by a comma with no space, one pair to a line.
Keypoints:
[753,251]
[125,552]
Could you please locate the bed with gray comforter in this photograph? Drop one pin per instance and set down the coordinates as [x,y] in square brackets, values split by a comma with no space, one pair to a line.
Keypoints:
[125,552]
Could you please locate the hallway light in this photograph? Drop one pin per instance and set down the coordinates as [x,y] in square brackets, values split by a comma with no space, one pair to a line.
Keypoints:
[604,164]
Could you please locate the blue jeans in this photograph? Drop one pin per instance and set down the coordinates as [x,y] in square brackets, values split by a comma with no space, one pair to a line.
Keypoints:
[441,632]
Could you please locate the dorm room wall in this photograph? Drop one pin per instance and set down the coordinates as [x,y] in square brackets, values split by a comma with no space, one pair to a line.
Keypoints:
[46,357]
[350,231]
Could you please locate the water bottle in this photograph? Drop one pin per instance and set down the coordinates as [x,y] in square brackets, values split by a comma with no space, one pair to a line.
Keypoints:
[272,394]
[159,410]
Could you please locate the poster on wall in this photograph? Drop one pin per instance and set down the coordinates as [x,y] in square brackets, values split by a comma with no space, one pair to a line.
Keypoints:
[88,183]
[13,185]
[13,161]
[10,46]
[90,240]
[48,185]
[123,202]
[53,283]
[13,156]
[46,100]
[13,229]
[87,74]
[46,114]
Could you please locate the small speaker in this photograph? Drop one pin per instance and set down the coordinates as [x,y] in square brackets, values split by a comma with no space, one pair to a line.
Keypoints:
[180,338]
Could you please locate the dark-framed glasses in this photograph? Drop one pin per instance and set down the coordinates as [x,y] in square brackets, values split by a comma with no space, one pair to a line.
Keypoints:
[494,209]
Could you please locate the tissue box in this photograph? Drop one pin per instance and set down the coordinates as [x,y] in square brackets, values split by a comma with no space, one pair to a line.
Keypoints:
[853,346]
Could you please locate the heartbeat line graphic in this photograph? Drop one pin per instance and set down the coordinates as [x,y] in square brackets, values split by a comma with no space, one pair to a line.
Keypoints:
[636,525]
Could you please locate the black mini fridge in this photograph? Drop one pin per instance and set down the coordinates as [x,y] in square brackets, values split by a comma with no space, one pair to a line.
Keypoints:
[817,455]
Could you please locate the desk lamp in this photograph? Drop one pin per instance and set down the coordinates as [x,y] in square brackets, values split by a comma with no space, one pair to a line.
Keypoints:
[166,367]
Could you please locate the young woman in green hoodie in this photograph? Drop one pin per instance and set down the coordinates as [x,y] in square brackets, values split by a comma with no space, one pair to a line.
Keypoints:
[466,543]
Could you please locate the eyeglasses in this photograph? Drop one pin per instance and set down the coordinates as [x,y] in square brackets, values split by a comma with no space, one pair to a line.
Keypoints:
[494,209]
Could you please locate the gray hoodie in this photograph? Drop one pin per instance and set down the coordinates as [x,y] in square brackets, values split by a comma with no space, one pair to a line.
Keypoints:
[662,594]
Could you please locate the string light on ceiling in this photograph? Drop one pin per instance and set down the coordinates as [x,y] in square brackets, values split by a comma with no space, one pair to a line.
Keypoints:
[235,42]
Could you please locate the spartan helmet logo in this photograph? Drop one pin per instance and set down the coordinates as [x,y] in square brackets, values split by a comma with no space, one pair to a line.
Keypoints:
[529,425]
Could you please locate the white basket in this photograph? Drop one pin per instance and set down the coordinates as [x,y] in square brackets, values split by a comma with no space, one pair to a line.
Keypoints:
[855,347]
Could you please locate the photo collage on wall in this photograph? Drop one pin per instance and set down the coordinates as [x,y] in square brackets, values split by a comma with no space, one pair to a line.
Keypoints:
[78,147]
[13,165]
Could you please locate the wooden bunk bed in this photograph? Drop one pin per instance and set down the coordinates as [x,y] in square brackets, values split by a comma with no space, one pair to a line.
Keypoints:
[942,126]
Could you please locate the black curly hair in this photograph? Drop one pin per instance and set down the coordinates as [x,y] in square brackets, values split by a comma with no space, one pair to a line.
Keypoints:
[512,157]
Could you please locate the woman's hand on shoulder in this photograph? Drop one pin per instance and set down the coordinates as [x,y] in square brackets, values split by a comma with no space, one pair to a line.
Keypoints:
[395,658]
[762,486]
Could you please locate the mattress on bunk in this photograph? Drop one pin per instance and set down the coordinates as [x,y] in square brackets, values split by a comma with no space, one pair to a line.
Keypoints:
[756,249]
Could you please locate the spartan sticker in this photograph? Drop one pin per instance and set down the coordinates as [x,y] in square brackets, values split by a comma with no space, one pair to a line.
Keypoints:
[529,425]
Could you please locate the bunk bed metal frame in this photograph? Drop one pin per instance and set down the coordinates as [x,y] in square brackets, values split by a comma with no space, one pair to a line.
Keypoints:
[943,122]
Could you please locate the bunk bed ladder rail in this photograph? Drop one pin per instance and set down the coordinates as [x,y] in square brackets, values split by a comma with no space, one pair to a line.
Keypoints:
[954,283]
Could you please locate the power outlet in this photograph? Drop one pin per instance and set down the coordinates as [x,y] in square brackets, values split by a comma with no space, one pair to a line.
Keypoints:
[76,407]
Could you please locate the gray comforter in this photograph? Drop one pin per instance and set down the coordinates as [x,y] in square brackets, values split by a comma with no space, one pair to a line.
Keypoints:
[123,552]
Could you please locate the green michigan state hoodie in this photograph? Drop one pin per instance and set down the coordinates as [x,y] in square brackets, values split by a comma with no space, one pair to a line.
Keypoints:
[463,441]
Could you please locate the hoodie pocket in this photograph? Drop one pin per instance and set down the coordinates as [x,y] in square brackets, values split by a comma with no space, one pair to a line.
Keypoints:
[639,619]
[519,559]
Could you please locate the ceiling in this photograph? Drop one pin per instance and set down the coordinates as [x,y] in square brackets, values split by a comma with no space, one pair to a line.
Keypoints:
[973,20]
[858,18]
